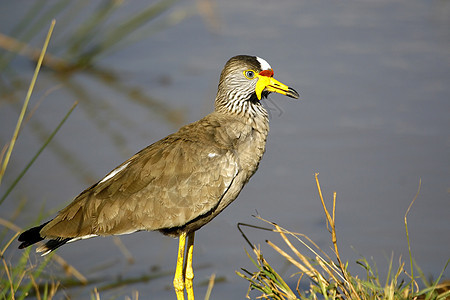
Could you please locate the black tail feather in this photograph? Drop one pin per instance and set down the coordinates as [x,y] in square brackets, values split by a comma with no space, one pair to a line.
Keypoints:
[31,236]
[51,245]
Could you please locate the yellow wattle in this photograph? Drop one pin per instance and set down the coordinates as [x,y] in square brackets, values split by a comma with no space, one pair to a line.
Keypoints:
[263,81]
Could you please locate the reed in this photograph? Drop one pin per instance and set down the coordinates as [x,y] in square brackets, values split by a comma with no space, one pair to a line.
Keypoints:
[12,276]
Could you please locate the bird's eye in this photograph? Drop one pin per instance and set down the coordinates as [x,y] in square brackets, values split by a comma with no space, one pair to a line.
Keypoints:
[249,74]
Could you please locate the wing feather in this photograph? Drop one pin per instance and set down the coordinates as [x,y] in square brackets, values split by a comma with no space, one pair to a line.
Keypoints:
[165,185]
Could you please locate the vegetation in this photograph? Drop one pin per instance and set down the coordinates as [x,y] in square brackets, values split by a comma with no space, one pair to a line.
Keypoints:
[12,278]
[86,33]
[330,278]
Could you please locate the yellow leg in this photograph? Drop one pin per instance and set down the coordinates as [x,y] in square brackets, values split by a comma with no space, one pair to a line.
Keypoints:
[189,277]
[178,280]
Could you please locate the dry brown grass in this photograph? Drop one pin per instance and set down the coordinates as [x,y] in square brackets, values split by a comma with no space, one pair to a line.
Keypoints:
[329,278]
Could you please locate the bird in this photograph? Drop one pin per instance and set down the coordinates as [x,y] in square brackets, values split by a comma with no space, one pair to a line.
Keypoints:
[181,182]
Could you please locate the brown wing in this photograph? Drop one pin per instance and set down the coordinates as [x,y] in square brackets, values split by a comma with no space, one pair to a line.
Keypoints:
[165,185]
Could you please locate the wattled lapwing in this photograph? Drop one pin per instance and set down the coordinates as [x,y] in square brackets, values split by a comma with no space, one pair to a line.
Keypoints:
[181,182]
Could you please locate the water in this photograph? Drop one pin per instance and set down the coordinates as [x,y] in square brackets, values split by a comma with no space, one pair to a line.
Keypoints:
[373,120]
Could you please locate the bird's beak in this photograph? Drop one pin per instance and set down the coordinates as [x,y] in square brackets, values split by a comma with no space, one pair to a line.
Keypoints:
[270,84]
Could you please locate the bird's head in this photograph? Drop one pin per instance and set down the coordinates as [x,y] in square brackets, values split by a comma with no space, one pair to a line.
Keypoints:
[248,78]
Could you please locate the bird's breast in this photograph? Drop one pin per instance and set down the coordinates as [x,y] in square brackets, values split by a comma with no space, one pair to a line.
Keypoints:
[247,144]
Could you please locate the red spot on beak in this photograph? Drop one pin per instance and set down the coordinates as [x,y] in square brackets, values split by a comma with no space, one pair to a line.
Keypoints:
[268,73]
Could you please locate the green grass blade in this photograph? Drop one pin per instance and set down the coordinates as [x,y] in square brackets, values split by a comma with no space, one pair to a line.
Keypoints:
[35,29]
[25,289]
[28,18]
[88,29]
[407,234]
[33,159]
[118,33]
[25,105]
[49,15]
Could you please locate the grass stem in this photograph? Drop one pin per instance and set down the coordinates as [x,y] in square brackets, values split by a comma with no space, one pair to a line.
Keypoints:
[407,234]
[25,105]
[33,159]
